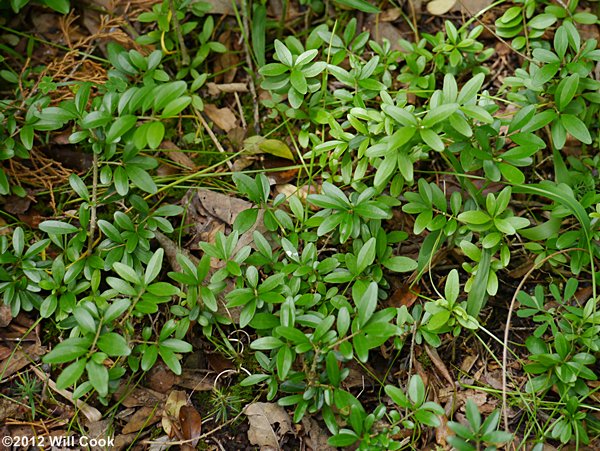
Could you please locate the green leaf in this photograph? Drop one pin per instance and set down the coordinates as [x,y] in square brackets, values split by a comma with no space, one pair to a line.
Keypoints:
[298,81]
[95,119]
[79,187]
[361,5]
[470,89]
[478,113]
[170,359]
[273,69]
[400,115]
[127,273]
[149,357]
[121,126]
[163,94]
[113,344]
[478,294]
[116,309]
[71,374]
[18,241]
[65,352]
[140,178]
[155,134]
[367,304]
[266,343]
[277,148]
[61,6]
[576,128]
[476,217]
[452,287]
[283,53]
[176,345]
[566,91]
[439,114]
[397,396]
[85,320]
[438,320]
[57,227]
[416,390]
[176,106]
[432,139]
[342,440]
[154,266]
[245,220]
[366,255]
[26,134]
[259,23]
[98,376]
[121,180]
[400,264]
[296,336]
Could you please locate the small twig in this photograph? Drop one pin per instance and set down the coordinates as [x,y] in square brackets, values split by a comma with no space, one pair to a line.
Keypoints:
[93,204]
[241,110]
[213,137]
[507,328]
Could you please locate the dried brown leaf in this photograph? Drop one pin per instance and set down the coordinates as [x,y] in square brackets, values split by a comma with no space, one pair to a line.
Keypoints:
[170,417]
[142,418]
[262,417]
[223,118]
[439,364]
[191,424]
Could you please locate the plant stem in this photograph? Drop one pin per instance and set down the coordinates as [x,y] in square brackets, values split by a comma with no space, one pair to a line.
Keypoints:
[93,204]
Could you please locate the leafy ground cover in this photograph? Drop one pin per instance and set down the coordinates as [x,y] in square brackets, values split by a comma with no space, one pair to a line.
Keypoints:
[300,225]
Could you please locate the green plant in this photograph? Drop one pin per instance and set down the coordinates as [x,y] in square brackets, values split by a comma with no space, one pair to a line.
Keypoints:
[61,6]
[446,314]
[294,74]
[21,272]
[28,387]
[527,28]
[475,435]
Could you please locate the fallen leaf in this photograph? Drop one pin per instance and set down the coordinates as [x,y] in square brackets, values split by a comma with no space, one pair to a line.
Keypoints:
[17,205]
[5,315]
[472,7]
[277,148]
[141,419]
[222,117]
[160,378]
[174,153]
[98,430]
[438,363]
[21,358]
[405,295]
[440,7]
[442,431]
[170,417]
[468,362]
[10,409]
[191,424]
[258,144]
[315,438]
[262,416]
[196,380]
[390,15]
[138,396]
[122,441]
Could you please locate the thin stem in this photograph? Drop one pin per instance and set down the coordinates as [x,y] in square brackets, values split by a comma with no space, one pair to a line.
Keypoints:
[93,205]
